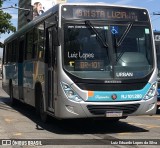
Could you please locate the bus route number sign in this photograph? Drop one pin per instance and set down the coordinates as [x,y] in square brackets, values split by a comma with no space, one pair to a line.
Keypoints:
[104,12]
[89,65]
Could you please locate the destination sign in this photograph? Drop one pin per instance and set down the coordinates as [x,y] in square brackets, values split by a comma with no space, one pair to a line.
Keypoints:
[89,65]
[104,12]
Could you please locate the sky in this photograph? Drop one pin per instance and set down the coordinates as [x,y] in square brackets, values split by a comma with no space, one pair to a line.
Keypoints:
[153,6]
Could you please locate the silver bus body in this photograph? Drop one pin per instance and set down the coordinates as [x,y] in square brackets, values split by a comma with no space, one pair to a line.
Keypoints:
[64,97]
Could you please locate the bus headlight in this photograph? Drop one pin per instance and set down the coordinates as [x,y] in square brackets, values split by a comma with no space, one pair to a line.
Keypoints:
[70,93]
[151,92]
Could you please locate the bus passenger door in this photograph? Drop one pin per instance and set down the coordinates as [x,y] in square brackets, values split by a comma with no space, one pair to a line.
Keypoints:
[51,68]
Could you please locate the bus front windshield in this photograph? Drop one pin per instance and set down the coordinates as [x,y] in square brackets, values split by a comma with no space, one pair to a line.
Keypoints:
[113,51]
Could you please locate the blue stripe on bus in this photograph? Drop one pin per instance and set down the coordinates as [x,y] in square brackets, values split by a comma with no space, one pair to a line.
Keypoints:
[100,96]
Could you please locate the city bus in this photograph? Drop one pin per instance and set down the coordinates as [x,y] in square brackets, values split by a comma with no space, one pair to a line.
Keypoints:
[80,60]
[157,44]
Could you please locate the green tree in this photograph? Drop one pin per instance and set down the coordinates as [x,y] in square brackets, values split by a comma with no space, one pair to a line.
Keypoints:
[5,22]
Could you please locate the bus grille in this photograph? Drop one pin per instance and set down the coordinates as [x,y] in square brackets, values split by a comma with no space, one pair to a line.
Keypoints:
[101,109]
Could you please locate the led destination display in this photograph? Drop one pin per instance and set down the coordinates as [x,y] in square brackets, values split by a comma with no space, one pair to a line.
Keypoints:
[116,13]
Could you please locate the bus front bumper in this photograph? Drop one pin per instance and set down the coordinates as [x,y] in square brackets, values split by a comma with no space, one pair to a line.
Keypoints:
[70,109]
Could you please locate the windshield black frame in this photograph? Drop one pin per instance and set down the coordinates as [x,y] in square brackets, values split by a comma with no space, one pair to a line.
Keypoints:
[100,22]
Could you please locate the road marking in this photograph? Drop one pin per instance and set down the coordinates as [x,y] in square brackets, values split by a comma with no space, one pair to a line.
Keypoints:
[17,134]
[133,123]
[154,116]
[145,125]
[8,120]
[127,133]
[156,126]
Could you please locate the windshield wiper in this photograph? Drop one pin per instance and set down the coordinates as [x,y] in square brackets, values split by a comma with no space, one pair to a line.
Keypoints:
[88,23]
[122,39]
[124,34]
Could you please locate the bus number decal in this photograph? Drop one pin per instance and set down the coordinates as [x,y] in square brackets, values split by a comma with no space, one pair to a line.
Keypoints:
[131,96]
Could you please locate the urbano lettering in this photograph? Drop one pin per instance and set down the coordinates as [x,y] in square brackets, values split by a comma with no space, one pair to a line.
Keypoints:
[124,74]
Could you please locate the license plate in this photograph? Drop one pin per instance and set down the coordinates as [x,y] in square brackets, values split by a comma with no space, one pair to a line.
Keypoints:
[114,114]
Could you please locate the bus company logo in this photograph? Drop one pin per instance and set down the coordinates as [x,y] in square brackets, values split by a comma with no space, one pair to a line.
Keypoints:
[114,96]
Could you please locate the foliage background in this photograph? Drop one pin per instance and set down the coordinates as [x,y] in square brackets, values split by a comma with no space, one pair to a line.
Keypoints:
[5,22]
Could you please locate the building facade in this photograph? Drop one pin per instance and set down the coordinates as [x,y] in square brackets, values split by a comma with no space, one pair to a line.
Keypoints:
[22,14]
[36,7]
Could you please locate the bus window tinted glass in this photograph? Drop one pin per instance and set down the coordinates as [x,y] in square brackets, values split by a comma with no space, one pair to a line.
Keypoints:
[113,51]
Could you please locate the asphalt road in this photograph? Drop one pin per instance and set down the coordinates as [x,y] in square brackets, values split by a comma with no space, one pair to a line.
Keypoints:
[21,123]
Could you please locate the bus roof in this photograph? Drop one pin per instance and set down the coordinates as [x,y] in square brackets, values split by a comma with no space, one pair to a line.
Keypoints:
[101,4]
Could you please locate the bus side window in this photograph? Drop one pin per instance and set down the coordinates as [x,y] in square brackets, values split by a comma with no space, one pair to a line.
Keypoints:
[21,49]
[29,45]
[9,52]
[14,50]
[5,54]
[39,41]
